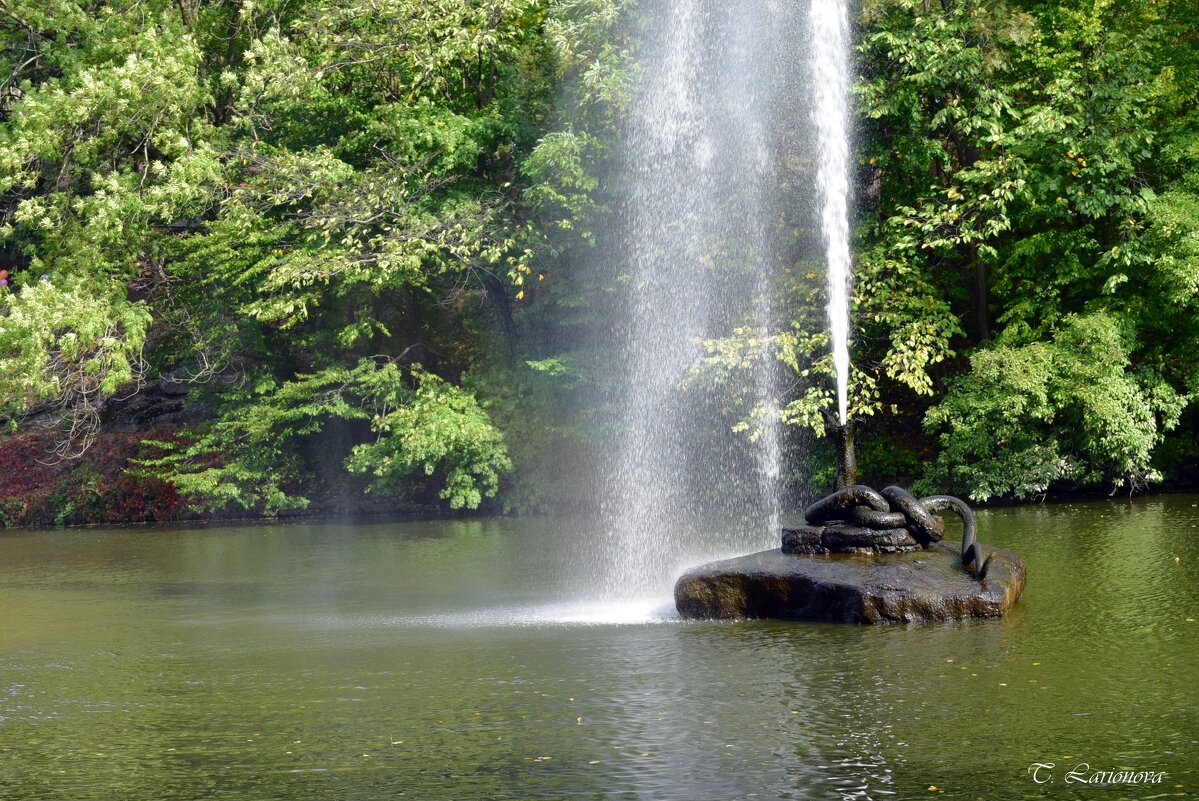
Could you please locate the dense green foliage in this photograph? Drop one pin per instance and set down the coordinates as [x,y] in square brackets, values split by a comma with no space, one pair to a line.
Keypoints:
[293,205]
[1033,164]
[380,218]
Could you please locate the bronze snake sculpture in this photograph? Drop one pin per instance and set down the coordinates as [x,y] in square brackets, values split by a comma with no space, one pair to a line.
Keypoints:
[895,507]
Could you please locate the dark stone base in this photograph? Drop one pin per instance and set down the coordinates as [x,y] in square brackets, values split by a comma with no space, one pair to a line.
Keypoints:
[912,587]
[844,538]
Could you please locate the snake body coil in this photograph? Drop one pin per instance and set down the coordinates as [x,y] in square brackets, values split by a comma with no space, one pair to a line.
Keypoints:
[895,508]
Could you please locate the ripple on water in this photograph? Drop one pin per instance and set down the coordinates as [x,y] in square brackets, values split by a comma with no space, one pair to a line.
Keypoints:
[315,663]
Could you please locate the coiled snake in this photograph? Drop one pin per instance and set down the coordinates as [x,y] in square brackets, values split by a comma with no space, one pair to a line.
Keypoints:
[895,507]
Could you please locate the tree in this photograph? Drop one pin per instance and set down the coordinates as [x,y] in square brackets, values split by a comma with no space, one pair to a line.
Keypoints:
[1042,125]
[295,208]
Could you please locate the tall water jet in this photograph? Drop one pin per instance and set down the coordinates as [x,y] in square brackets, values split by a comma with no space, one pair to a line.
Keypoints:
[702,145]
[829,21]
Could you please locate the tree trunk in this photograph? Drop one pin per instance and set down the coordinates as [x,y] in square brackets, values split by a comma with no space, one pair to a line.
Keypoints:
[843,443]
[982,299]
[499,296]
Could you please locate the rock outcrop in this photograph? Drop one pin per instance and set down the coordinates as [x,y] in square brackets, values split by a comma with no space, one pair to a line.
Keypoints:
[909,587]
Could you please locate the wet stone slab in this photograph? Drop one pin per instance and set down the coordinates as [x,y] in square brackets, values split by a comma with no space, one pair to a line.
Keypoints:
[912,587]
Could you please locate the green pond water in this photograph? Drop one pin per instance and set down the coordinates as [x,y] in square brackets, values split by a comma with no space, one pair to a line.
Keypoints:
[461,660]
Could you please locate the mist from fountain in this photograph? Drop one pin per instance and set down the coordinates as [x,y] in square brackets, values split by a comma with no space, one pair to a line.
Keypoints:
[707,137]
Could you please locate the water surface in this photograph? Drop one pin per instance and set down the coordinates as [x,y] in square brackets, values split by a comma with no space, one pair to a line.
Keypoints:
[460,660]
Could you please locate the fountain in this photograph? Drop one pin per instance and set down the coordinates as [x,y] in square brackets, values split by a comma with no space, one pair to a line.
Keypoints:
[712,134]
[862,556]
[697,257]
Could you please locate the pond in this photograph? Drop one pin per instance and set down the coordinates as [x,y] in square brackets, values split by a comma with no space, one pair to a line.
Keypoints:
[455,660]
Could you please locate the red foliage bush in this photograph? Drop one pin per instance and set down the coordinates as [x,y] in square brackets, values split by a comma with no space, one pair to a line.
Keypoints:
[102,486]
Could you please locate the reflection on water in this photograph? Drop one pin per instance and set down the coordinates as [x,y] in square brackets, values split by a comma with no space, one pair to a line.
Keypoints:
[459,660]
